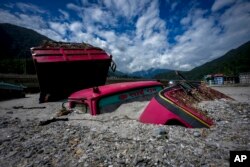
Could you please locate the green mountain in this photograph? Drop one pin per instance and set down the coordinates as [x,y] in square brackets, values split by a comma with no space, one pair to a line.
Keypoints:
[231,64]
[117,74]
[15,44]
[150,73]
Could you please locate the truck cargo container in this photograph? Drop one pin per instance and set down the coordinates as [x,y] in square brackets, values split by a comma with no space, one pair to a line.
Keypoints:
[63,68]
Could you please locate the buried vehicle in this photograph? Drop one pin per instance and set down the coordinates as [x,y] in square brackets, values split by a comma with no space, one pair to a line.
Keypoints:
[177,105]
[173,105]
[9,91]
[63,68]
[107,98]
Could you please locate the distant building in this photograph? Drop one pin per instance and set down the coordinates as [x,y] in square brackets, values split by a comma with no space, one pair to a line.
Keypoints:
[220,79]
[244,78]
[209,79]
[231,79]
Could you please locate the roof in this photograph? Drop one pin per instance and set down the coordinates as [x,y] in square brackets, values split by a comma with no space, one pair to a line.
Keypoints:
[218,75]
[112,88]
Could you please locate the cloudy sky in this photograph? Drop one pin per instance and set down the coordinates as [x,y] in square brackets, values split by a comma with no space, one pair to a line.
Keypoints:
[140,34]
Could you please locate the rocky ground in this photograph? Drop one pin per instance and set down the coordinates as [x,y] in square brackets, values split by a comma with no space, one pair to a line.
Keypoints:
[118,139]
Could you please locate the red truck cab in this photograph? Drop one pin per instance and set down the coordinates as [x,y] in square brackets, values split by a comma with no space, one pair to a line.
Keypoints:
[106,98]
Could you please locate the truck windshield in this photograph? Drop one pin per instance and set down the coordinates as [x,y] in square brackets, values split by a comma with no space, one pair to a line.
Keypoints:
[81,107]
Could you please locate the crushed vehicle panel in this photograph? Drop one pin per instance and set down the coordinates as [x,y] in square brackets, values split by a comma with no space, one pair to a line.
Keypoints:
[177,103]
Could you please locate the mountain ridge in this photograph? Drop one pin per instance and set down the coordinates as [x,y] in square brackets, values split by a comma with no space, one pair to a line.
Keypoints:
[150,73]
[16,41]
[15,44]
[232,63]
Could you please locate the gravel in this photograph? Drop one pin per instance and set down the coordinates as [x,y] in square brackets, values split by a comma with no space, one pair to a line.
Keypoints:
[118,139]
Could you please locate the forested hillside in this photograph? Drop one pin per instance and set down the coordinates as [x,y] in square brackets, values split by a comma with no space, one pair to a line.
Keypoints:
[232,63]
[15,44]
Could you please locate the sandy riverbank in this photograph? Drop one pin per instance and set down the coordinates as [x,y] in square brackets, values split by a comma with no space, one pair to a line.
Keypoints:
[240,94]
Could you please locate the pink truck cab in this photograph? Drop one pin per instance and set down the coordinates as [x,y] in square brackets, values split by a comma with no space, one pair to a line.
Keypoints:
[176,105]
[168,106]
[107,98]
[165,109]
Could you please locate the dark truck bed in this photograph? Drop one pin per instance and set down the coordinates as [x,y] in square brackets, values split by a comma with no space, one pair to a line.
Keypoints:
[63,68]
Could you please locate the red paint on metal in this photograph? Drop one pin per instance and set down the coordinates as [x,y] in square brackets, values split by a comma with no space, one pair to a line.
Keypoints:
[157,114]
[190,109]
[91,98]
[61,55]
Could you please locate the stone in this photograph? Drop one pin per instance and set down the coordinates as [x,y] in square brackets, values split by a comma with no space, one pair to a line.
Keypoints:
[28,154]
[160,133]
[197,134]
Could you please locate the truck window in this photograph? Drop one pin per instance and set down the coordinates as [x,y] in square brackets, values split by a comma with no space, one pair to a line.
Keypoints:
[81,107]
[110,103]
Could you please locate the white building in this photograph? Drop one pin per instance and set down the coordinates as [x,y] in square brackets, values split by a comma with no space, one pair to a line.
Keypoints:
[244,78]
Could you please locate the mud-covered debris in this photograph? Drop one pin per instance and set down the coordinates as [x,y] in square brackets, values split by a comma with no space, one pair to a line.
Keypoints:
[48,121]
[66,45]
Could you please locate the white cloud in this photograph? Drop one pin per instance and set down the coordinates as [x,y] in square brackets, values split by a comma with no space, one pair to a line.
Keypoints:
[60,28]
[51,34]
[131,49]
[30,21]
[9,5]
[235,22]
[208,37]
[127,9]
[192,16]
[73,7]
[65,15]
[94,15]
[7,17]
[76,26]
[33,21]
[27,7]
[174,5]
[219,4]
[109,36]
[149,23]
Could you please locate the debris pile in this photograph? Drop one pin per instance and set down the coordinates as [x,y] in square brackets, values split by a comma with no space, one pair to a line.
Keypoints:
[197,95]
[65,45]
